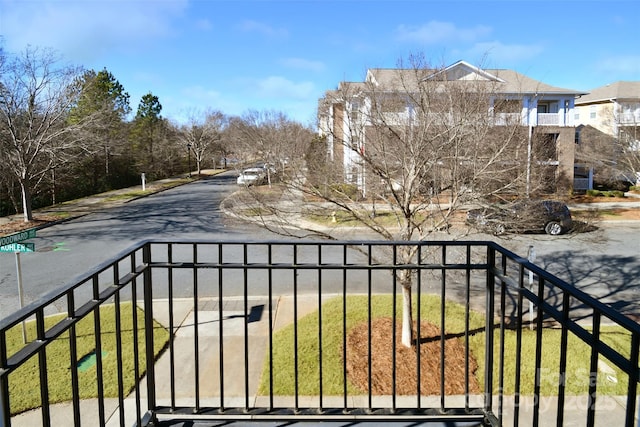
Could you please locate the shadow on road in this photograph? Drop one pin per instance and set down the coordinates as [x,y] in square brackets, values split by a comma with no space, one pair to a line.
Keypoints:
[612,279]
[191,210]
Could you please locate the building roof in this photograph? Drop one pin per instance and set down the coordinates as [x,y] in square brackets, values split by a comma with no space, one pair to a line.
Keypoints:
[617,90]
[505,81]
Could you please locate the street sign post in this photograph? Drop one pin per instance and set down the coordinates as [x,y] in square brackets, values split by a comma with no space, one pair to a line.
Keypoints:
[15,243]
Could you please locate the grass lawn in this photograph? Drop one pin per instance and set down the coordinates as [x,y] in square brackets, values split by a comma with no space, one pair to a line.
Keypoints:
[150,190]
[577,376]
[24,383]
[345,219]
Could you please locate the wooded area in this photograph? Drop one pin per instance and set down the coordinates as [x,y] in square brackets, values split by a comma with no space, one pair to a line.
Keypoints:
[67,132]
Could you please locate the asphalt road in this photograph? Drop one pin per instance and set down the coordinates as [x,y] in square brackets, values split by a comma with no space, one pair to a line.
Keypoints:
[71,248]
[604,263]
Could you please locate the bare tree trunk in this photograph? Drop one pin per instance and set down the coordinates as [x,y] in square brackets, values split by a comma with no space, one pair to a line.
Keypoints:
[26,201]
[407,329]
[53,186]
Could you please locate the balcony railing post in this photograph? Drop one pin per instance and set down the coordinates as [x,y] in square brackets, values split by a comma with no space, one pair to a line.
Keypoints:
[5,412]
[488,377]
[300,266]
[633,380]
[148,327]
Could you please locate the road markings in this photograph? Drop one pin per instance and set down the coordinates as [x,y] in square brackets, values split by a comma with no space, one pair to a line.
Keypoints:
[60,246]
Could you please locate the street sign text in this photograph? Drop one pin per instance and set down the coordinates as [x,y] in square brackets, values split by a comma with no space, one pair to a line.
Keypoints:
[18,237]
[18,247]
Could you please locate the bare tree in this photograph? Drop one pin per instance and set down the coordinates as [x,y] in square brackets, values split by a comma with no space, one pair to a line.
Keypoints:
[36,94]
[202,132]
[614,156]
[597,151]
[629,144]
[402,156]
[627,125]
[269,137]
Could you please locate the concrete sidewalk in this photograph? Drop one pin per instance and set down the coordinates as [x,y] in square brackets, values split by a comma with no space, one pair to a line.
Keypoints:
[610,409]
[209,360]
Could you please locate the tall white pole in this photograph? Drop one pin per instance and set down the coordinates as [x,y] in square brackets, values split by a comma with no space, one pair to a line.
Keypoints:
[531,257]
[21,294]
[529,160]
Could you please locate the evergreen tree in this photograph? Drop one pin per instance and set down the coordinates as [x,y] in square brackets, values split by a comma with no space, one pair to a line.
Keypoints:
[146,129]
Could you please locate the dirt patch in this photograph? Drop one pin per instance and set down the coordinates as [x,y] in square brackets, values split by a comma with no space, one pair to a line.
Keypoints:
[15,225]
[582,198]
[406,361]
[628,214]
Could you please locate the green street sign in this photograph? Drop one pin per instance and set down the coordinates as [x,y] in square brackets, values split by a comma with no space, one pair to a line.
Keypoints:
[18,247]
[18,237]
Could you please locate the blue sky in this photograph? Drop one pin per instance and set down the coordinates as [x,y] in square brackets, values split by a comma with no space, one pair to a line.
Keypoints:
[235,55]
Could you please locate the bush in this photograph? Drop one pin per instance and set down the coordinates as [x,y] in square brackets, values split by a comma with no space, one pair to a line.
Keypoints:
[337,191]
[599,193]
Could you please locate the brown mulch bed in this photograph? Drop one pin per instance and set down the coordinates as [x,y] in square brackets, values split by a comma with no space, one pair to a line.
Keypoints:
[406,361]
[583,198]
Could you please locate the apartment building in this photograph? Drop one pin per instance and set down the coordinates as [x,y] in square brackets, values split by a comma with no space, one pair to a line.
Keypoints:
[613,109]
[544,111]
[605,117]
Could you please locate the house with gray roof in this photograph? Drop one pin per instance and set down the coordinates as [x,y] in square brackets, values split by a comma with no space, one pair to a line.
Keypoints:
[613,109]
[546,112]
[607,120]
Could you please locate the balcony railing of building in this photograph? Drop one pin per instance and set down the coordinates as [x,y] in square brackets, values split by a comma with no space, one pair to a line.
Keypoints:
[628,118]
[241,316]
[542,119]
[549,119]
[497,118]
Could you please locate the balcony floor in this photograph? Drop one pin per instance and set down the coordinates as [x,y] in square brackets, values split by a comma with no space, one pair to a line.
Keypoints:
[190,423]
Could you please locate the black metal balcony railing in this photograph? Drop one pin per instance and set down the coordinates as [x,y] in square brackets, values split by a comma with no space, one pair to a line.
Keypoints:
[225,303]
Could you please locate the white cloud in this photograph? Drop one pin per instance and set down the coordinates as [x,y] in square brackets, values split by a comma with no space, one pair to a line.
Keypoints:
[264,29]
[204,24]
[85,30]
[625,64]
[434,32]
[500,53]
[200,93]
[279,87]
[304,64]
[195,99]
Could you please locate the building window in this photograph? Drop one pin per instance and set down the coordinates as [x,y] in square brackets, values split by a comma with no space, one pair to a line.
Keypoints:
[354,112]
[576,116]
[507,106]
[592,112]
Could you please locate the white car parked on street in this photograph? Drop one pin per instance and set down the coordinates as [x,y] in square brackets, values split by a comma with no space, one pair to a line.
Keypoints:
[252,176]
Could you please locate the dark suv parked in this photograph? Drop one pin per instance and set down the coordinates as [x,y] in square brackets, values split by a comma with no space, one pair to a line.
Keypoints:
[551,216]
